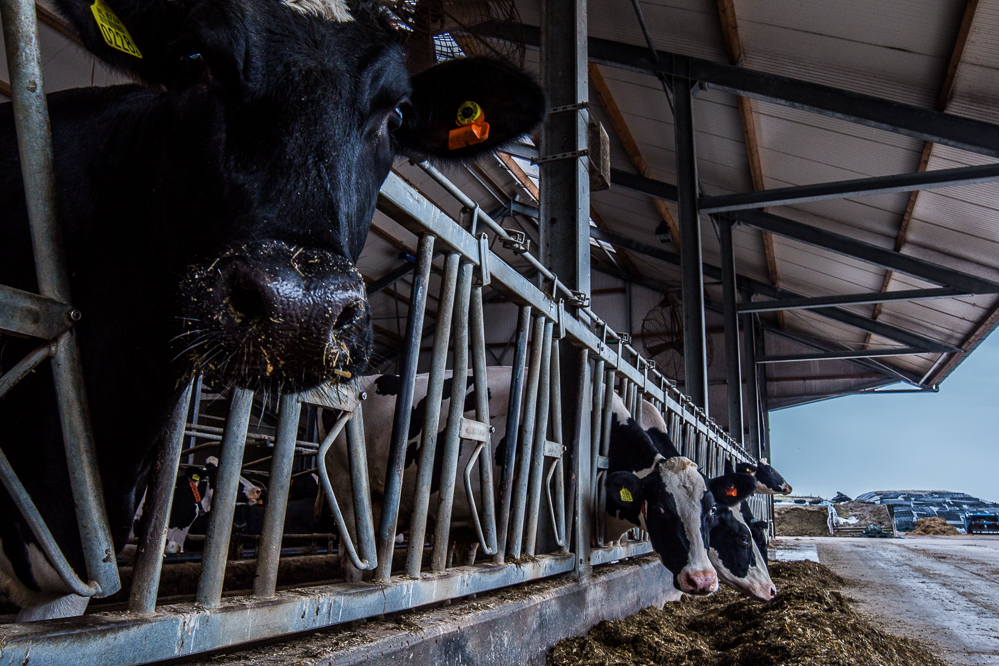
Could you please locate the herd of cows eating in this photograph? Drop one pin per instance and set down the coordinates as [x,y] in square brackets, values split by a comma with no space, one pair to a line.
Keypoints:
[211,216]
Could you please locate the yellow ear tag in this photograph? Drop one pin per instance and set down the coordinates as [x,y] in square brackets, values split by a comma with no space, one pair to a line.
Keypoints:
[196,477]
[626,495]
[468,113]
[113,30]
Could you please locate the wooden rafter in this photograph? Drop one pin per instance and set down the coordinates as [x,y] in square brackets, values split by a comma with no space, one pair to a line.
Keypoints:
[946,90]
[620,128]
[733,45]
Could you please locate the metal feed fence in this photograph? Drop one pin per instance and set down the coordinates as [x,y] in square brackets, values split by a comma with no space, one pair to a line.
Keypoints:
[532,522]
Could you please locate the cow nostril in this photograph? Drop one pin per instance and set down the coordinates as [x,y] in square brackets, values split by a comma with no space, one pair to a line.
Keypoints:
[245,300]
[347,316]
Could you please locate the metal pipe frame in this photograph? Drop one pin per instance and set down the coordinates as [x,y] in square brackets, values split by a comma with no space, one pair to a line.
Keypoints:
[404,406]
[840,355]
[537,457]
[431,420]
[452,435]
[34,142]
[512,429]
[519,506]
[753,403]
[149,554]
[224,500]
[269,548]
[850,299]
[484,451]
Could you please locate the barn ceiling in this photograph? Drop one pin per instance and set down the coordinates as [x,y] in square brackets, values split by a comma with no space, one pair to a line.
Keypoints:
[934,54]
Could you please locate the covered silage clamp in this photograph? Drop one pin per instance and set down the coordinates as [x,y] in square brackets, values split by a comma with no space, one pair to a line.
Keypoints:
[840,254]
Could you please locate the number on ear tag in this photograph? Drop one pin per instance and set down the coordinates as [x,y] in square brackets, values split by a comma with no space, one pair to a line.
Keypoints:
[113,30]
[626,495]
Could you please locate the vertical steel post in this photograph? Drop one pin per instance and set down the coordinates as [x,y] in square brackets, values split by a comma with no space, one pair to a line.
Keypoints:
[452,435]
[159,501]
[269,550]
[537,459]
[193,413]
[477,335]
[584,437]
[431,420]
[732,360]
[695,366]
[512,429]
[519,505]
[558,465]
[34,143]
[403,409]
[752,380]
[224,500]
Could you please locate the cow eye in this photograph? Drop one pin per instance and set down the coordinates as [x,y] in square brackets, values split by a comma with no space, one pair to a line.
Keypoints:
[394,120]
[661,509]
[712,512]
[744,540]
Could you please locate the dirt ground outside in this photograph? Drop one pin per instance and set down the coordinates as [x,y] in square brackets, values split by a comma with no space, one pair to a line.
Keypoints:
[801,520]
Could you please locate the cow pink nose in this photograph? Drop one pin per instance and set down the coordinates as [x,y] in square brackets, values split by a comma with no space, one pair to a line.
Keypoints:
[699,582]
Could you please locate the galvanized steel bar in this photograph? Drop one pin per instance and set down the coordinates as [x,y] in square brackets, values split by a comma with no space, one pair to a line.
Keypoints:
[25,366]
[752,382]
[368,559]
[519,506]
[452,436]
[279,483]
[512,429]
[540,435]
[34,142]
[159,502]
[733,361]
[403,408]
[596,421]
[224,499]
[487,532]
[584,439]
[431,420]
[558,467]
[360,486]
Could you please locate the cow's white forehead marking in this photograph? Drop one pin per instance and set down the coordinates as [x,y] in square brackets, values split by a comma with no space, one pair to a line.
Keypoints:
[642,473]
[331,10]
[687,487]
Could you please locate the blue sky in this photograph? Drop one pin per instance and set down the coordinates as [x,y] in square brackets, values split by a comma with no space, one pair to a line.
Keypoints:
[943,441]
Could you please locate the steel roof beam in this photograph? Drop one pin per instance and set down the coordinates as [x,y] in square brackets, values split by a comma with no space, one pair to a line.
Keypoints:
[919,123]
[843,189]
[850,299]
[866,252]
[849,318]
[840,355]
[887,370]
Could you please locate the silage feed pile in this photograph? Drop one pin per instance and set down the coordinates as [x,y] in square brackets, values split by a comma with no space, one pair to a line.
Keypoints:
[934,527]
[801,520]
[809,623]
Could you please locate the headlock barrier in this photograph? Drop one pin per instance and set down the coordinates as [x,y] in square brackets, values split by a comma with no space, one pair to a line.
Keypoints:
[545,518]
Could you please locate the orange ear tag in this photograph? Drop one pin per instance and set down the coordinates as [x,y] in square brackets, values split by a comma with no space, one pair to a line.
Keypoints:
[472,127]
[731,492]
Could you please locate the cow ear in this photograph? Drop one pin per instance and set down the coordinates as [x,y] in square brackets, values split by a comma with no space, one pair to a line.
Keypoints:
[624,491]
[730,489]
[139,37]
[463,108]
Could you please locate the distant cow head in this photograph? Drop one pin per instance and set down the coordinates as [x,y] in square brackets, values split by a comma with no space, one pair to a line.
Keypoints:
[670,500]
[768,480]
[277,122]
[734,551]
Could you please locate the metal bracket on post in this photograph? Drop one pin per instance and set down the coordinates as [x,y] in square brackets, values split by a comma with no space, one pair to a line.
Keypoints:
[484,275]
[470,218]
[569,107]
[562,156]
[480,432]
[561,319]
[518,242]
[553,450]
[579,299]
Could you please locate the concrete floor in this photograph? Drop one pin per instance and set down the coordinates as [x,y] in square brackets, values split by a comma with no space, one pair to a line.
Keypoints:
[940,590]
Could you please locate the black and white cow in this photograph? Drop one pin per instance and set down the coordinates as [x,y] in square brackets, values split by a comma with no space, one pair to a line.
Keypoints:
[768,480]
[666,495]
[192,499]
[735,554]
[211,217]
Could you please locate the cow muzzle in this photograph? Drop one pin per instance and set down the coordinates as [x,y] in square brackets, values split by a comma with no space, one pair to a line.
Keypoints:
[704,581]
[274,315]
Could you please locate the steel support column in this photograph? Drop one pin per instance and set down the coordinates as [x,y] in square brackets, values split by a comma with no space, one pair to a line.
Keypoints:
[695,366]
[752,383]
[565,180]
[761,383]
[731,316]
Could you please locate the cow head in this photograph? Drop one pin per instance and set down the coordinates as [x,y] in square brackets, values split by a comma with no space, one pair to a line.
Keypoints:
[279,121]
[670,500]
[734,552]
[768,480]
